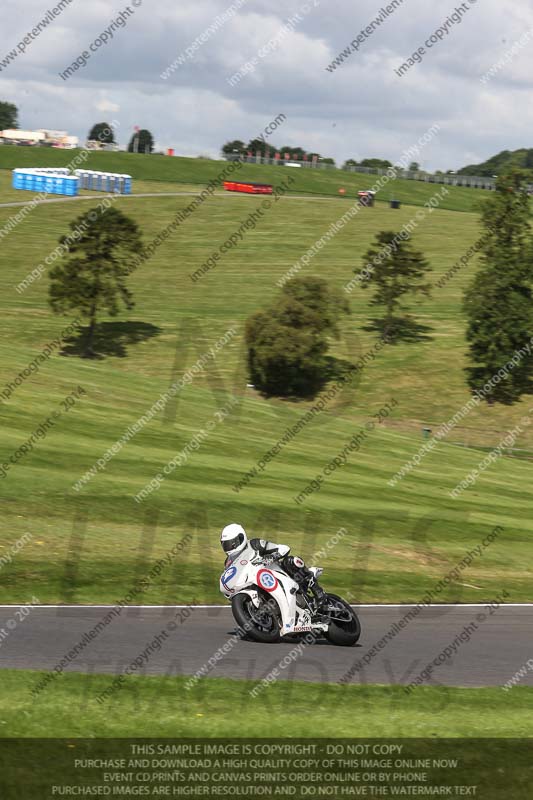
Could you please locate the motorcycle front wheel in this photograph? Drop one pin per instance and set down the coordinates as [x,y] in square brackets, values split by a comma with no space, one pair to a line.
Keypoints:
[260,624]
[344,628]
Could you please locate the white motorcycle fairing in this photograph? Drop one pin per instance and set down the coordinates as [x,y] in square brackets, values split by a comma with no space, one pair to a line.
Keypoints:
[246,577]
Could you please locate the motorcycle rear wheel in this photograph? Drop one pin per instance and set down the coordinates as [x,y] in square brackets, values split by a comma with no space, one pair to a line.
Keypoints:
[344,634]
[262,627]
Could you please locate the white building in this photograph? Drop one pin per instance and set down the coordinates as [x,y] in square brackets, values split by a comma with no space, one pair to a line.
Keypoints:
[13,135]
[42,136]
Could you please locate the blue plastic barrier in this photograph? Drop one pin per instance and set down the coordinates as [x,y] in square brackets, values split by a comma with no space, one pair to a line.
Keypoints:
[51,181]
[60,181]
[109,182]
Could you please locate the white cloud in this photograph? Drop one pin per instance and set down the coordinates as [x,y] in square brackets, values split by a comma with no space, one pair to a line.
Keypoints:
[361,109]
[104,105]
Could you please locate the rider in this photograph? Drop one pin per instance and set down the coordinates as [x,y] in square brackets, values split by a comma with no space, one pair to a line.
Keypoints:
[235,543]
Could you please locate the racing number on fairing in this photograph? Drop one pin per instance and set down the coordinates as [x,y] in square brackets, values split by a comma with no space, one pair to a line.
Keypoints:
[267,580]
[228,576]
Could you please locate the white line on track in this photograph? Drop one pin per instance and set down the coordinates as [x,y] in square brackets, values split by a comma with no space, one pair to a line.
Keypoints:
[363,605]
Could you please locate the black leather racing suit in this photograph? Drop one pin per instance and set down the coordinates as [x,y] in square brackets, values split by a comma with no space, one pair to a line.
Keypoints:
[294,566]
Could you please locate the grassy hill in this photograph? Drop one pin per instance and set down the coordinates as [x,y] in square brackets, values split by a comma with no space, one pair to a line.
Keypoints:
[90,545]
[175,170]
[502,162]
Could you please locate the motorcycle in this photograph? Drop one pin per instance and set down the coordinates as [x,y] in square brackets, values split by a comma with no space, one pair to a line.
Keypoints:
[268,604]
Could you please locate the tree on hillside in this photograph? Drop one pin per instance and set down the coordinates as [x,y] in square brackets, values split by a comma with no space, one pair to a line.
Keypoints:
[102,132]
[326,303]
[285,351]
[264,147]
[141,142]
[376,163]
[287,344]
[497,165]
[351,162]
[285,149]
[498,302]
[8,116]
[528,162]
[395,269]
[414,166]
[256,144]
[297,153]
[92,279]
[232,148]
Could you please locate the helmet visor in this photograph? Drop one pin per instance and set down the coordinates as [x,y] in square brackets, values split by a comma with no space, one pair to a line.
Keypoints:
[231,544]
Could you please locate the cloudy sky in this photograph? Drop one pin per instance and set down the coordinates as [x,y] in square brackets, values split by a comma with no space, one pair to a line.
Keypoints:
[360,109]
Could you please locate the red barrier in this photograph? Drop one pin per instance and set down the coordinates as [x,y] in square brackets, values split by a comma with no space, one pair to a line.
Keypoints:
[248,188]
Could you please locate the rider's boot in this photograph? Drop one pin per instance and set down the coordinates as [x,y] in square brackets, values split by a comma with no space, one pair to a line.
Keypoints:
[318,592]
[297,569]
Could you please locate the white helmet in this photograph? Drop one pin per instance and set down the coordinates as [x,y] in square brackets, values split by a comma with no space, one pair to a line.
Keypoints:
[233,539]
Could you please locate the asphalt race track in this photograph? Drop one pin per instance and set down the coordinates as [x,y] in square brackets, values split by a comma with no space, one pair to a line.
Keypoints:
[189,637]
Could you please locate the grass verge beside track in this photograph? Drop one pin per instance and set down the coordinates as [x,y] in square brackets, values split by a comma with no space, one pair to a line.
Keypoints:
[176,171]
[161,707]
